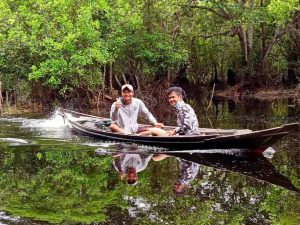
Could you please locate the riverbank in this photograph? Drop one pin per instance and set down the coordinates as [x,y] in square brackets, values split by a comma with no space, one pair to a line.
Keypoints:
[232,93]
[261,94]
[20,110]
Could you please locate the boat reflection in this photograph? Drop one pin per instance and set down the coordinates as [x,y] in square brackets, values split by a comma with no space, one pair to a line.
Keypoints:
[244,162]
[253,165]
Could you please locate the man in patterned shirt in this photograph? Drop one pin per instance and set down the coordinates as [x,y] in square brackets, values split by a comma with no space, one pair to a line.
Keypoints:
[187,121]
[188,172]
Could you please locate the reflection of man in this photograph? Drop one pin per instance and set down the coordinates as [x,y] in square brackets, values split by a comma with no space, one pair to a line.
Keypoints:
[128,165]
[188,172]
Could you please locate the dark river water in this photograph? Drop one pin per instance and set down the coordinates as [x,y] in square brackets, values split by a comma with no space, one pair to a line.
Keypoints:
[49,175]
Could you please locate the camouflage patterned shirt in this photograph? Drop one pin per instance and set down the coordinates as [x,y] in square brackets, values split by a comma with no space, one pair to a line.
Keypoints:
[187,121]
[188,171]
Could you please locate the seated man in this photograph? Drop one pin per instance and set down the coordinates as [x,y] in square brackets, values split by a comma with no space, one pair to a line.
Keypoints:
[187,121]
[126,110]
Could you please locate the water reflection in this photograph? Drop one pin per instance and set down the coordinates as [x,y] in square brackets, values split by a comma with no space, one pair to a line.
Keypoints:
[257,166]
[253,165]
[129,165]
[187,173]
[49,174]
[253,113]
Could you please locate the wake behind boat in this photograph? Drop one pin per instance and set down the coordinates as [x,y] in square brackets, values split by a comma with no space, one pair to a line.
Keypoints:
[208,138]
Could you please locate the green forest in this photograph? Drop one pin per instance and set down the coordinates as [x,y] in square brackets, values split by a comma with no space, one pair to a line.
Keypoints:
[53,51]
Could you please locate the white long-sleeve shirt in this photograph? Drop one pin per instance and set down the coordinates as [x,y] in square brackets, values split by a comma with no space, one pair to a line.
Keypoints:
[126,161]
[127,116]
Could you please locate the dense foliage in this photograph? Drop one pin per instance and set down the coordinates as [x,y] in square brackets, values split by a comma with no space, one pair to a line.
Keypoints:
[57,49]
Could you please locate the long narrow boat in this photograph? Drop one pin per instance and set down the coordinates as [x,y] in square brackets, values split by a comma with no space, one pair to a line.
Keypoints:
[208,138]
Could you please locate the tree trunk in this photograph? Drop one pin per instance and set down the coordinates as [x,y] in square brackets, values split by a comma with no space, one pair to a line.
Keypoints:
[103,82]
[294,31]
[118,81]
[250,38]
[262,28]
[246,41]
[124,78]
[0,97]
[169,76]
[16,81]
[110,76]
[176,27]
[6,99]
[32,95]
[147,15]
[293,74]
[99,95]
[136,78]
[98,102]
[275,38]
[243,42]
[250,31]
[16,97]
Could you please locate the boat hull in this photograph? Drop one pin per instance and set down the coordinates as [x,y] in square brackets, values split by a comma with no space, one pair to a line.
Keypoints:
[255,140]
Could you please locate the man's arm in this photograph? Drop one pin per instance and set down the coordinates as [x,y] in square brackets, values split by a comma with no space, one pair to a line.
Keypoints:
[184,119]
[146,113]
[114,112]
[145,160]
[188,171]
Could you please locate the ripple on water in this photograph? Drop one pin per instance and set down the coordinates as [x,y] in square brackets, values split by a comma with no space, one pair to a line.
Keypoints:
[6,219]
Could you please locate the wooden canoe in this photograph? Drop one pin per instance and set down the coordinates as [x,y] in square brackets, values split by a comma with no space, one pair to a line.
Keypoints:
[208,139]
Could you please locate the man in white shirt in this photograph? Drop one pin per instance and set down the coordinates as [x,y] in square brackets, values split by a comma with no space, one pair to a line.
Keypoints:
[126,110]
[128,165]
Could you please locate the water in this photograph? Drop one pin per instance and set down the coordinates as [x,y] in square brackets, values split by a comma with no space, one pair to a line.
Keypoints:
[50,175]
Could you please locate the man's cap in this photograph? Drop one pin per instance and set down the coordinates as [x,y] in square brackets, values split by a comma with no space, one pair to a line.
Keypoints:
[128,86]
[132,182]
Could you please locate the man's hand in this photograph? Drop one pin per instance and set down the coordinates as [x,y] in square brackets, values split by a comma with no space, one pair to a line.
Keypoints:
[159,125]
[118,104]
[171,132]
[122,175]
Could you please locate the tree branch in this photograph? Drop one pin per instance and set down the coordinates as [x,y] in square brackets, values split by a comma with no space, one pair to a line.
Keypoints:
[224,14]
[278,34]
